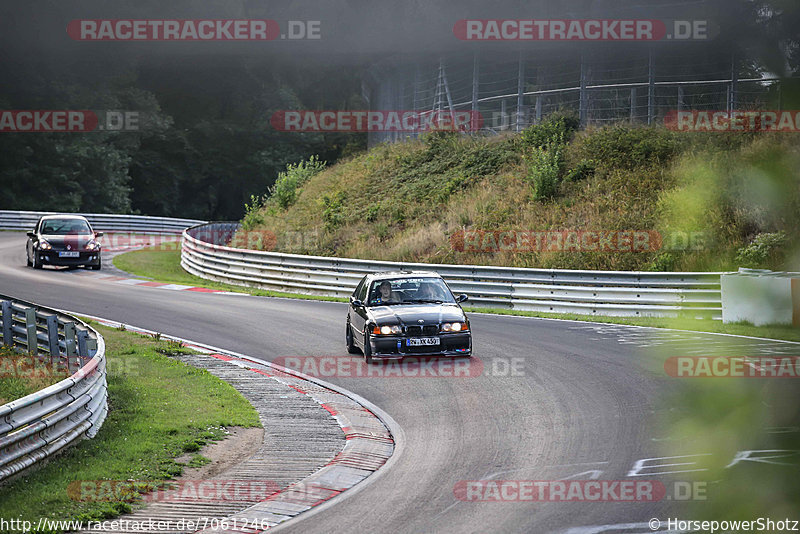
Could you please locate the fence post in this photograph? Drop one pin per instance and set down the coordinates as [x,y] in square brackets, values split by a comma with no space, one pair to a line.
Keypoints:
[583,99]
[681,105]
[633,104]
[446,87]
[415,103]
[538,109]
[734,83]
[520,91]
[8,319]
[30,331]
[475,75]
[651,87]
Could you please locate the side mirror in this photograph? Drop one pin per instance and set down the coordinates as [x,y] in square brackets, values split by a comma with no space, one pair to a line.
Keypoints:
[355,302]
[98,234]
[462,298]
[32,235]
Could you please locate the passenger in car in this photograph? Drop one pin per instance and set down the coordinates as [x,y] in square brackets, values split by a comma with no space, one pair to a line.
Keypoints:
[427,292]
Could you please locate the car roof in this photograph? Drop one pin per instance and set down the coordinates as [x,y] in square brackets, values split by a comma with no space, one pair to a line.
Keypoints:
[401,274]
[69,216]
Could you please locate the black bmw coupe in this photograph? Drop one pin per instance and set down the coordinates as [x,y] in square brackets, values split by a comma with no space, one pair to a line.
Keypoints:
[397,314]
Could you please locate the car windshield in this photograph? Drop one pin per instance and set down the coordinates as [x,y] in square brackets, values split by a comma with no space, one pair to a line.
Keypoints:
[65,227]
[409,291]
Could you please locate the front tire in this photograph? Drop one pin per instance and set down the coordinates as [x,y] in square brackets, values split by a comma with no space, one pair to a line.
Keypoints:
[97,267]
[348,337]
[28,261]
[367,349]
[37,263]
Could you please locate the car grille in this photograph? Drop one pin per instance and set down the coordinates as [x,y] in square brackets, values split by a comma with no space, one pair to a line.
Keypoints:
[427,330]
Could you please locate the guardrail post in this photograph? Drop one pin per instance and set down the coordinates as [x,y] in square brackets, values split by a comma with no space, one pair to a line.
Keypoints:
[83,349]
[69,342]
[8,319]
[52,339]
[30,331]
[91,347]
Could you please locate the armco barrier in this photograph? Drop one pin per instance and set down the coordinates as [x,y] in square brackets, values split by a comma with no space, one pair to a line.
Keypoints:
[39,425]
[615,293]
[26,220]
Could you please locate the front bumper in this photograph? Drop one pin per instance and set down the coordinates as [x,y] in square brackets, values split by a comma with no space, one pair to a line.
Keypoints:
[396,347]
[50,257]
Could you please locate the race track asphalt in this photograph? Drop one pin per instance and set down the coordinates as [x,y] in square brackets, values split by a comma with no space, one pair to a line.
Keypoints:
[584,403]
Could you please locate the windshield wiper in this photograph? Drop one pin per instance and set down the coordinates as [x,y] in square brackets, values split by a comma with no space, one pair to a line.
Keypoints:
[425,301]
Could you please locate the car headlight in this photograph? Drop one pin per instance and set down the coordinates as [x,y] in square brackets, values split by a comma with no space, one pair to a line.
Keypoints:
[455,327]
[92,245]
[44,245]
[387,330]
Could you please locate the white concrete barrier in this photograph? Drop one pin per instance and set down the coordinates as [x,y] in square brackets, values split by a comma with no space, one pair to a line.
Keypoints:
[761,297]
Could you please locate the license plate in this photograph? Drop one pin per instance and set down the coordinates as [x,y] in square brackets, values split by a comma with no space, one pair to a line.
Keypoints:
[422,341]
[69,254]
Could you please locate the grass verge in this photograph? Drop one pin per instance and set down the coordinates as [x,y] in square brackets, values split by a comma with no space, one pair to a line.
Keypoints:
[159,409]
[165,266]
[22,374]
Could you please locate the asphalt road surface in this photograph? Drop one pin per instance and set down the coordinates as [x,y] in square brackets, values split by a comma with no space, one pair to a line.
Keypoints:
[583,402]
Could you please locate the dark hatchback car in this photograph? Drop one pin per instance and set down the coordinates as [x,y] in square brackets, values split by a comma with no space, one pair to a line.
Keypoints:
[66,240]
[393,315]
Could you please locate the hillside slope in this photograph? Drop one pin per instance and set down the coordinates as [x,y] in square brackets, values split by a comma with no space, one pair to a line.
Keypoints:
[708,201]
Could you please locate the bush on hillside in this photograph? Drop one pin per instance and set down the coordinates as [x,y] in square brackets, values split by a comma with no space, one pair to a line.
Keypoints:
[284,191]
[629,147]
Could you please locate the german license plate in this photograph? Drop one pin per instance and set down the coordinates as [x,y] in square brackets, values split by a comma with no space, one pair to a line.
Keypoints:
[422,341]
[69,254]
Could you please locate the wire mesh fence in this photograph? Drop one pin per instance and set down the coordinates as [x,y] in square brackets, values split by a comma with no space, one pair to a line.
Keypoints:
[516,90]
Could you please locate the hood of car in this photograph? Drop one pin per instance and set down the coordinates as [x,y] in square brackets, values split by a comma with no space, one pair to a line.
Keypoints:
[68,242]
[412,314]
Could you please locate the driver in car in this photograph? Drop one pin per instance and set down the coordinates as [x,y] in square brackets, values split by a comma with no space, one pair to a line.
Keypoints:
[385,293]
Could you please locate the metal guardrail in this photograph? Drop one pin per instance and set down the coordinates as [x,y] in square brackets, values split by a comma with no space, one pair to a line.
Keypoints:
[26,220]
[39,425]
[613,293]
